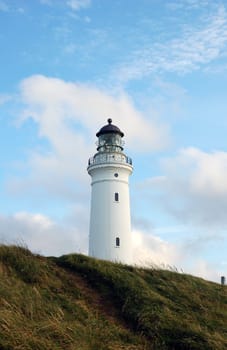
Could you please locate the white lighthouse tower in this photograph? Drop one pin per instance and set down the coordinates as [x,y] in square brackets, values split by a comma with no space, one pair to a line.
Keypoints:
[110,222]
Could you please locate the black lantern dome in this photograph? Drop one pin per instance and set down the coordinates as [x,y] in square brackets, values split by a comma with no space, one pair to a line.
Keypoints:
[110,138]
[110,129]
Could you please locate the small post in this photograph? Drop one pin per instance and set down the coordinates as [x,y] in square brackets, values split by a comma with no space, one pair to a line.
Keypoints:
[222,280]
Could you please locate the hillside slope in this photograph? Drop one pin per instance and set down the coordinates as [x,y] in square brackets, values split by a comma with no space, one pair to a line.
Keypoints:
[79,303]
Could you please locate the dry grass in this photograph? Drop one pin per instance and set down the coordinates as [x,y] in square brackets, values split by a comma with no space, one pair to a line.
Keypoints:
[75,302]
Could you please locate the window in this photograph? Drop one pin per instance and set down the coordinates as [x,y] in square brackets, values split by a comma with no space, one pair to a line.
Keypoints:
[117,242]
[116,174]
[116,197]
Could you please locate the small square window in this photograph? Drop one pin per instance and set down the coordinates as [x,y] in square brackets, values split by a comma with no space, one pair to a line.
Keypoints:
[116,197]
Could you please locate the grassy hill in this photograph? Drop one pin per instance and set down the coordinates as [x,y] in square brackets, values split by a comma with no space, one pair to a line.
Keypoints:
[79,303]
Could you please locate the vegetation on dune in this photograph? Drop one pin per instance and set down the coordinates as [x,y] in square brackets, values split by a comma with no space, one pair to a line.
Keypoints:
[76,302]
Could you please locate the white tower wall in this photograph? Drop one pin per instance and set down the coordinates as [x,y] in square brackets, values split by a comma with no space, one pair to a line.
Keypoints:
[110,218]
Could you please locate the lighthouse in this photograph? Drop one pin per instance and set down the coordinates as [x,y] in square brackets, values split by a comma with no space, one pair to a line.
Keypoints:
[110,222]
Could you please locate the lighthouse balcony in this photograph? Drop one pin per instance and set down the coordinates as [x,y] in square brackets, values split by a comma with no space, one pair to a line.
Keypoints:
[109,158]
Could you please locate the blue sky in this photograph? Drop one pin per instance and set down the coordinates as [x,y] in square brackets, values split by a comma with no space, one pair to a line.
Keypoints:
[159,70]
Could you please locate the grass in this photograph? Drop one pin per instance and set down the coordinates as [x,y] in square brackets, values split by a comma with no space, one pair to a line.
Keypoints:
[77,302]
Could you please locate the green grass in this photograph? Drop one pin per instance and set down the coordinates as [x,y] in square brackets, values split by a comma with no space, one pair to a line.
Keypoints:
[76,302]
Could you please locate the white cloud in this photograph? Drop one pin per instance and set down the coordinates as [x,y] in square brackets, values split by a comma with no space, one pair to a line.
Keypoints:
[150,250]
[193,190]
[78,4]
[51,102]
[194,187]
[41,234]
[68,116]
[196,47]
[203,269]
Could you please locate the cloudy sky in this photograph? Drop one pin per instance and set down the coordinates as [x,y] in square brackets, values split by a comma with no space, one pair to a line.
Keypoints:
[159,70]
